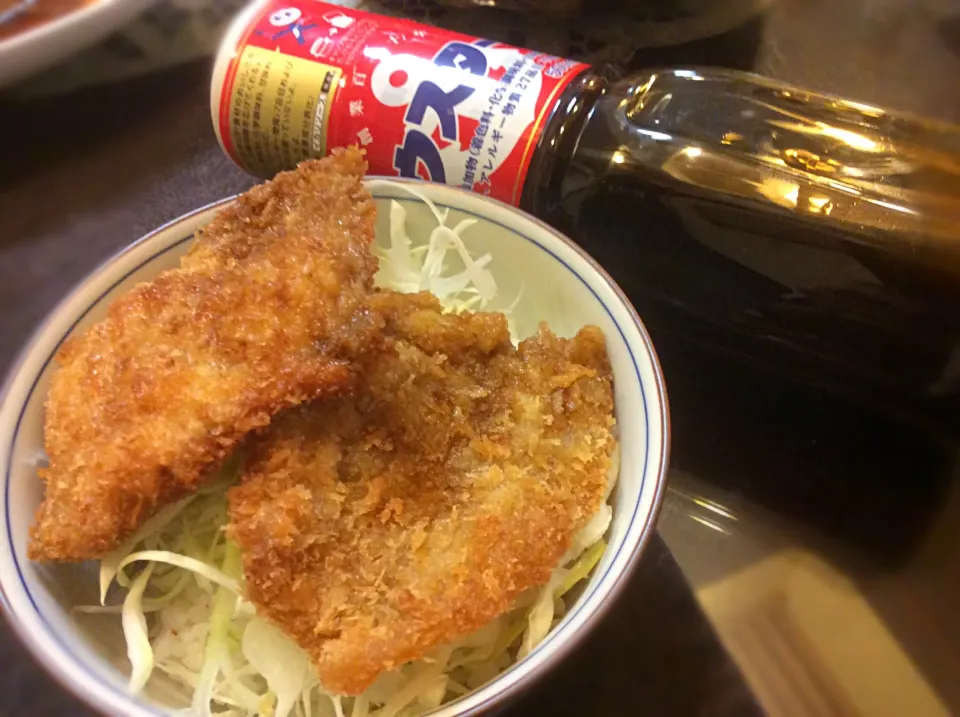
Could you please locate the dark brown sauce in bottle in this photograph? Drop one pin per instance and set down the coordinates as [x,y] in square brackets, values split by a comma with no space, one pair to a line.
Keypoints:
[798,233]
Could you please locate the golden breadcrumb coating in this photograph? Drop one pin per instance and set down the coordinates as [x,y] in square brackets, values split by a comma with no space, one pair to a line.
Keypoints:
[377,526]
[266,311]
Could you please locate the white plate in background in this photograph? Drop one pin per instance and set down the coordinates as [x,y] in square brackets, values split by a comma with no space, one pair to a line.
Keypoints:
[39,47]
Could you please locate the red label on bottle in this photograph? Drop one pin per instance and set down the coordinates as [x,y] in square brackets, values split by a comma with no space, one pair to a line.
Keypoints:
[306,77]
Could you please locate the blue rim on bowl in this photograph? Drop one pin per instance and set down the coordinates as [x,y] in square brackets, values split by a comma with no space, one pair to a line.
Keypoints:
[64,665]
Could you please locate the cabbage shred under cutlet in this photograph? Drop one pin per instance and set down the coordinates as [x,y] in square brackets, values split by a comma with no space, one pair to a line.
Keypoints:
[205,636]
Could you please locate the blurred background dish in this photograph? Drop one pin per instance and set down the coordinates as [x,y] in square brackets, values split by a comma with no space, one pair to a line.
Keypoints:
[35,34]
[18,16]
[175,32]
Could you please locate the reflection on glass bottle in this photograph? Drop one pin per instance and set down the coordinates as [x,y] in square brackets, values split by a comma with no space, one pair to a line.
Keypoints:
[804,232]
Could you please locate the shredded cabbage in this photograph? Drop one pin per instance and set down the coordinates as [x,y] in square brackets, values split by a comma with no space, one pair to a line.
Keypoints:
[204,636]
[135,629]
[466,284]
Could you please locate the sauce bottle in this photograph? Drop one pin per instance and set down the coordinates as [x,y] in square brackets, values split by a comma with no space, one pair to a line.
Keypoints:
[795,231]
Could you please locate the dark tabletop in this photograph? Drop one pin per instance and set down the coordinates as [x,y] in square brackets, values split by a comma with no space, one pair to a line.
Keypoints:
[84,174]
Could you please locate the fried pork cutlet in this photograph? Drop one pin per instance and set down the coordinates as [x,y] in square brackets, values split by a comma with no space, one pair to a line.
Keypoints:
[265,311]
[377,526]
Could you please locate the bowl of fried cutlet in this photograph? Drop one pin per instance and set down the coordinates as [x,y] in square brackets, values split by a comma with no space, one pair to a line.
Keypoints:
[342,445]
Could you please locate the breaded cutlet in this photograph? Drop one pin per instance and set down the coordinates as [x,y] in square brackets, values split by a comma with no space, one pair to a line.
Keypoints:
[267,310]
[378,525]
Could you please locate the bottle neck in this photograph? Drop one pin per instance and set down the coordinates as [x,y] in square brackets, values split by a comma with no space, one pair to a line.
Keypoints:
[542,192]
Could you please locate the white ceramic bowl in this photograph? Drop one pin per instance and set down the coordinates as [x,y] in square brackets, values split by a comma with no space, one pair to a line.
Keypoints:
[32,50]
[563,286]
